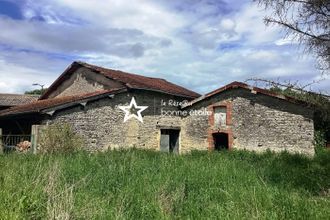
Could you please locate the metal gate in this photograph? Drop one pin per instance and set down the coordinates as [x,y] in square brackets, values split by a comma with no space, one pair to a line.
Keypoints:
[16,142]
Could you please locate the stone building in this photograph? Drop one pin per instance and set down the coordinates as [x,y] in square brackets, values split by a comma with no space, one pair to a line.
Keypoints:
[245,117]
[112,109]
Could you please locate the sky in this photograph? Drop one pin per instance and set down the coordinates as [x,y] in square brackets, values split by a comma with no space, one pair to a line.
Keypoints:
[199,44]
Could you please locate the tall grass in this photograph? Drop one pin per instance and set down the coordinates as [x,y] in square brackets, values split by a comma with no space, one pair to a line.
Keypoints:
[149,185]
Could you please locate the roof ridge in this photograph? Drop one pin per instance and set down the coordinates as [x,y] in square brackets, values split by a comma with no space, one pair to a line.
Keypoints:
[130,84]
[129,80]
[237,84]
[117,70]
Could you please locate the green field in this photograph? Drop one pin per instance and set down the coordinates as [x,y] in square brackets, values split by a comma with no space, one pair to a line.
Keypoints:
[149,185]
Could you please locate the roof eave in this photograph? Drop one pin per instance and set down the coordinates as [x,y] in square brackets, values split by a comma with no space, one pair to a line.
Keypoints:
[66,105]
[81,101]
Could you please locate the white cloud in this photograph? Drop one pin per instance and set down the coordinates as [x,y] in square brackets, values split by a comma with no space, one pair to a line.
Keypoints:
[227,24]
[15,78]
[143,15]
[76,39]
[200,49]
[250,25]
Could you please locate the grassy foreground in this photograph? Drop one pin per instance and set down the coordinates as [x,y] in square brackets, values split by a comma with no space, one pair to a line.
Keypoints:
[149,185]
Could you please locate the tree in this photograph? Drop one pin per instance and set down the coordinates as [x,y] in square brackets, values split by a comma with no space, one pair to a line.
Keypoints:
[35,92]
[308,21]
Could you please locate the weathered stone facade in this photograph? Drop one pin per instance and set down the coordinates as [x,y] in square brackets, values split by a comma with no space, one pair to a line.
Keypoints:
[255,122]
[84,81]
[101,124]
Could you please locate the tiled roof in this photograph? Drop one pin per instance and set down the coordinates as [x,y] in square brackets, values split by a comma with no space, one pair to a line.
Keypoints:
[128,80]
[241,85]
[40,105]
[16,99]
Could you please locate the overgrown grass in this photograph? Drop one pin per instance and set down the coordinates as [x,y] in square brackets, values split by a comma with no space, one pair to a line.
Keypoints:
[150,185]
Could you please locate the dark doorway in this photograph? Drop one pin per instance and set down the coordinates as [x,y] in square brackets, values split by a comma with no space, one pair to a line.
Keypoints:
[169,140]
[220,141]
[19,125]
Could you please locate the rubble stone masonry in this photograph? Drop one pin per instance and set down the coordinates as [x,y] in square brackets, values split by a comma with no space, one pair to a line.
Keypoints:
[254,122]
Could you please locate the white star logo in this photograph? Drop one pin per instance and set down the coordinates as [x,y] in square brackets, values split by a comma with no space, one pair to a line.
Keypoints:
[128,110]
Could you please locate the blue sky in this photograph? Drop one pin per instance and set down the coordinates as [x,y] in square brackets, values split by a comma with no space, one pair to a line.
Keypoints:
[199,44]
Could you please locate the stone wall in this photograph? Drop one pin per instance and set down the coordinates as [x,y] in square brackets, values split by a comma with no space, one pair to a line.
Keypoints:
[84,81]
[255,122]
[261,122]
[194,134]
[101,125]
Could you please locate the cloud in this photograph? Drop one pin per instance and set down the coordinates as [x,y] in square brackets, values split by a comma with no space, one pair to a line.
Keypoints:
[142,14]
[69,39]
[200,44]
[19,70]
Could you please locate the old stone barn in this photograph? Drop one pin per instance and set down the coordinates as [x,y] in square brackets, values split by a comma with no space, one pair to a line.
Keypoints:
[112,109]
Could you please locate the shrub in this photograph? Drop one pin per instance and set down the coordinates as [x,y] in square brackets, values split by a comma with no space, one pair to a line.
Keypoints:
[59,138]
[320,141]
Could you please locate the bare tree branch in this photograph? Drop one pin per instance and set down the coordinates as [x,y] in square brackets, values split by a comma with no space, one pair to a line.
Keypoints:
[306,20]
[296,29]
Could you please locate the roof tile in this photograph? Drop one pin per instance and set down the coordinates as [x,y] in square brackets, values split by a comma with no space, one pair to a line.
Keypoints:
[241,85]
[16,99]
[40,105]
[130,80]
